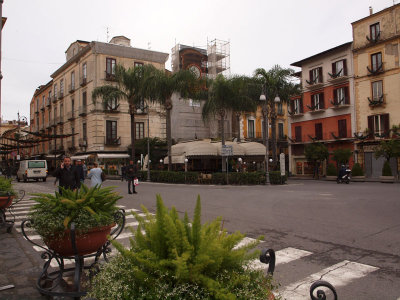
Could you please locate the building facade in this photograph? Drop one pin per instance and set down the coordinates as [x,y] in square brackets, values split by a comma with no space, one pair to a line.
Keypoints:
[95,128]
[324,112]
[377,84]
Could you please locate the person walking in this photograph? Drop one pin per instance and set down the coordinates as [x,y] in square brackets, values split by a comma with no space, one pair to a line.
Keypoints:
[131,174]
[67,176]
[81,173]
[95,175]
[123,172]
[84,167]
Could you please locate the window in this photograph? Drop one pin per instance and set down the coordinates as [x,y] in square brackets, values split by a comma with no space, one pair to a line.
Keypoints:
[49,116]
[281,134]
[72,80]
[297,132]
[342,128]
[110,66]
[84,71]
[43,101]
[72,106]
[139,130]
[36,164]
[84,99]
[37,104]
[374,30]
[316,75]
[341,96]
[55,112]
[43,118]
[111,131]
[280,108]
[318,131]
[377,90]
[62,87]
[61,111]
[112,104]
[138,64]
[250,128]
[376,61]
[297,106]
[49,95]
[73,136]
[317,101]
[55,90]
[339,68]
[84,131]
[378,124]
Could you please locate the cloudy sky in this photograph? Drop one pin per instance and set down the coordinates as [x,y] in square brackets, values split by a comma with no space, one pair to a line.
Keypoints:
[262,33]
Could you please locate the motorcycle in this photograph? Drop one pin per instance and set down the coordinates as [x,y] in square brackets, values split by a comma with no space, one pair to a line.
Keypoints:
[344,178]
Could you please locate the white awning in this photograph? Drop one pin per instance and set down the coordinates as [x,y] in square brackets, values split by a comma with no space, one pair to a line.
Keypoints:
[253,148]
[237,149]
[49,157]
[112,155]
[82,157]
[175,159]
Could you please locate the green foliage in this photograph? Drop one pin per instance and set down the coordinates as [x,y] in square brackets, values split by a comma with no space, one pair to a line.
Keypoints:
[357,170]
[6,187]
[171,259]
[388,149]
[87,208]
[342,156]
[275,177]
[316,152]
[331,170]
[386,170]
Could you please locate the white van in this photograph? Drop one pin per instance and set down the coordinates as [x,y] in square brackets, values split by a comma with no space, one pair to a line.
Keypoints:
[32,169]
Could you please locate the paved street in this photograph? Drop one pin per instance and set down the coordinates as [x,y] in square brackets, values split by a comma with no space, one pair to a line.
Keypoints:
[346,234]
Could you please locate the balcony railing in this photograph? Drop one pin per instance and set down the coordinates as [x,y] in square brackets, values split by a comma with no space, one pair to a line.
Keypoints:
[112,141]
[83,110]
[326,136]
[83,142]
[375,39]
[71,88]
[60,120]
[375,70]
[48,101]
[71,115]
[42,106]
[109,76]
[111,110]
[60,94]
[49,124]
[55,98]
[376,101]
[280,112]
[83,81]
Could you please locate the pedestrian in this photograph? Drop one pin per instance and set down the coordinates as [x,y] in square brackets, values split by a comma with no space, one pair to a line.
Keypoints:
[123,172]
[84,167]
[81,173]
[131,175]
[67,176]
[95,175]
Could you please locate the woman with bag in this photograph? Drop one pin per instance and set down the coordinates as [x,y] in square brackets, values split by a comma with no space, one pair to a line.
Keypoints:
[96,174]
[131,175]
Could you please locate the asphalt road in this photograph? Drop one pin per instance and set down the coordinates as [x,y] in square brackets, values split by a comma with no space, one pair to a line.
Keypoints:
[356,225]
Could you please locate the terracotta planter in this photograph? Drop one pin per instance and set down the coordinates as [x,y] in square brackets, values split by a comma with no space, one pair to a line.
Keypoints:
[5,202]
[387,179]
[358,178]
[86,243]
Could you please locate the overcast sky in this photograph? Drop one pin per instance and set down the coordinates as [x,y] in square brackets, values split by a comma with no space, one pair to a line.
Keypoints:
[262,33]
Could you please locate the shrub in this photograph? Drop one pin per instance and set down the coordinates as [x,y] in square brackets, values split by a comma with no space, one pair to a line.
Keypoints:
[357,170]
[275,177]
[174,258]
[386,170]
[331,170]
[6,187]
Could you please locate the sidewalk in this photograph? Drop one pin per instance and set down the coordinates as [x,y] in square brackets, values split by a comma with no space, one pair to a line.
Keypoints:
[19,267]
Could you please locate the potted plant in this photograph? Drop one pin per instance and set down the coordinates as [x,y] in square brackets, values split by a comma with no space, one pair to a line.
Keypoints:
[7,193]
[331,172]
[357,173]
[388,149]
[387,176]
[174,258]
[91,210]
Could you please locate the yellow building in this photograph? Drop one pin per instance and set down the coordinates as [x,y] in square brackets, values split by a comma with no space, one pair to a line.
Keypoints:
[377,83]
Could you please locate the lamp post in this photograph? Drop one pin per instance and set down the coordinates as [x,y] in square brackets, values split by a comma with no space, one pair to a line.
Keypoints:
[240,164]
[186,161]
[140,164]
[161,161]
[265,110]
[20,119]
[148,144]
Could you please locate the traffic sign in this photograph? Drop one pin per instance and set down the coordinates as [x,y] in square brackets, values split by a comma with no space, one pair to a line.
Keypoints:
[227,150]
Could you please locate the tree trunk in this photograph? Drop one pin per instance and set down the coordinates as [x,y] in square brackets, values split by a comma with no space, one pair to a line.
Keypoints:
[132,114]
[222,114]
[273,134]
[168,107]
[238,124]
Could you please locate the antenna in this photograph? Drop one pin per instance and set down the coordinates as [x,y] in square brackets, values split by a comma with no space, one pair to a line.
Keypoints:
[107,34]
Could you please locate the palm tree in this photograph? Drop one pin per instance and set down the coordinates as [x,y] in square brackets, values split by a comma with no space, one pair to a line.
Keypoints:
[160,86]
[228,94]
[130,86]
[277,81]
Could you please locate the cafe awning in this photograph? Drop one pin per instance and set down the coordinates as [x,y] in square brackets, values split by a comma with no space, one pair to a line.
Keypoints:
[81,157]
[253,148]
[112,155]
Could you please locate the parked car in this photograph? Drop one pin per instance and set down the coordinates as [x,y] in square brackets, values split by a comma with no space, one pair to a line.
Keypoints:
[32,169]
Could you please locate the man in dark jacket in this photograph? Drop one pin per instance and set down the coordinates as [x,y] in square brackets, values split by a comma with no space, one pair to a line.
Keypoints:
[80,171]
[131,174]
[67,175]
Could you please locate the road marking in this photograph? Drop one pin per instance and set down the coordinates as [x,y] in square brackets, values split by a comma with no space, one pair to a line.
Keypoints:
[244,242]
[130,210]
[19,207]
[132,224]
[338,275]
[133,217]
[283,256]
[326,194]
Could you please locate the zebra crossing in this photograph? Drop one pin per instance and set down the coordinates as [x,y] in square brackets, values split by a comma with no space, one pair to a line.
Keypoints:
[339,275]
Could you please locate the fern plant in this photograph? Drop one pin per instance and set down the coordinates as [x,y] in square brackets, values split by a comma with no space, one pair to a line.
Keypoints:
[87,208]
[169,255]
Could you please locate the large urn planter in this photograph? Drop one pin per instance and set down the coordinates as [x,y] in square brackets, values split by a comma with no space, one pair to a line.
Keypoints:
[6,201]
[387,179]
[358,178]
[86,243]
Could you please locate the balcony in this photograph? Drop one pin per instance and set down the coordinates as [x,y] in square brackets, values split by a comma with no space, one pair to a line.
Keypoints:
[375,70]
[295,113]
[49,124]
[60,95]
[111,110]
[71,115]
[42,106]
[83,81]
[376,101]
[60,120]
[83,111]
[338,77]
[71,88]
[112,141]
[314,84]
[109,76]
[281,113]
[83,142]
[37,111]
[54,98]
[48,101]
[339,104]
[374,40]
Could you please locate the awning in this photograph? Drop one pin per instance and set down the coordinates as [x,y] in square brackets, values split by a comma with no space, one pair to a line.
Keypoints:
[197,148]
[50,157]
[112,155]
[253,148]
[237,149]
[175,159]
[82,157]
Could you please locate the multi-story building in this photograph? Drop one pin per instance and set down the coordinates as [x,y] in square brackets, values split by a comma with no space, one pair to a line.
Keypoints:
[95,128]
[376,42]
[324,112]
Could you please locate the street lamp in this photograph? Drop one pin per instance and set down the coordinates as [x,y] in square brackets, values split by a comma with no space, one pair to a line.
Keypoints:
[25,121]
[240,162]
[264,104]
[161,161]
[140,164]
[186,161]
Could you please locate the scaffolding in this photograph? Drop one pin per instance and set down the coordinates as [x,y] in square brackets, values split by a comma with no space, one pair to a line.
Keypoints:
[218,52]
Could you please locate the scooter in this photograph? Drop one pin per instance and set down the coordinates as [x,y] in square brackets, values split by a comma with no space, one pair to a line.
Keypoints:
[345,178]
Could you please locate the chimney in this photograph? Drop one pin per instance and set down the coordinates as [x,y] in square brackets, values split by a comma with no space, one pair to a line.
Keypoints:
[371,10]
